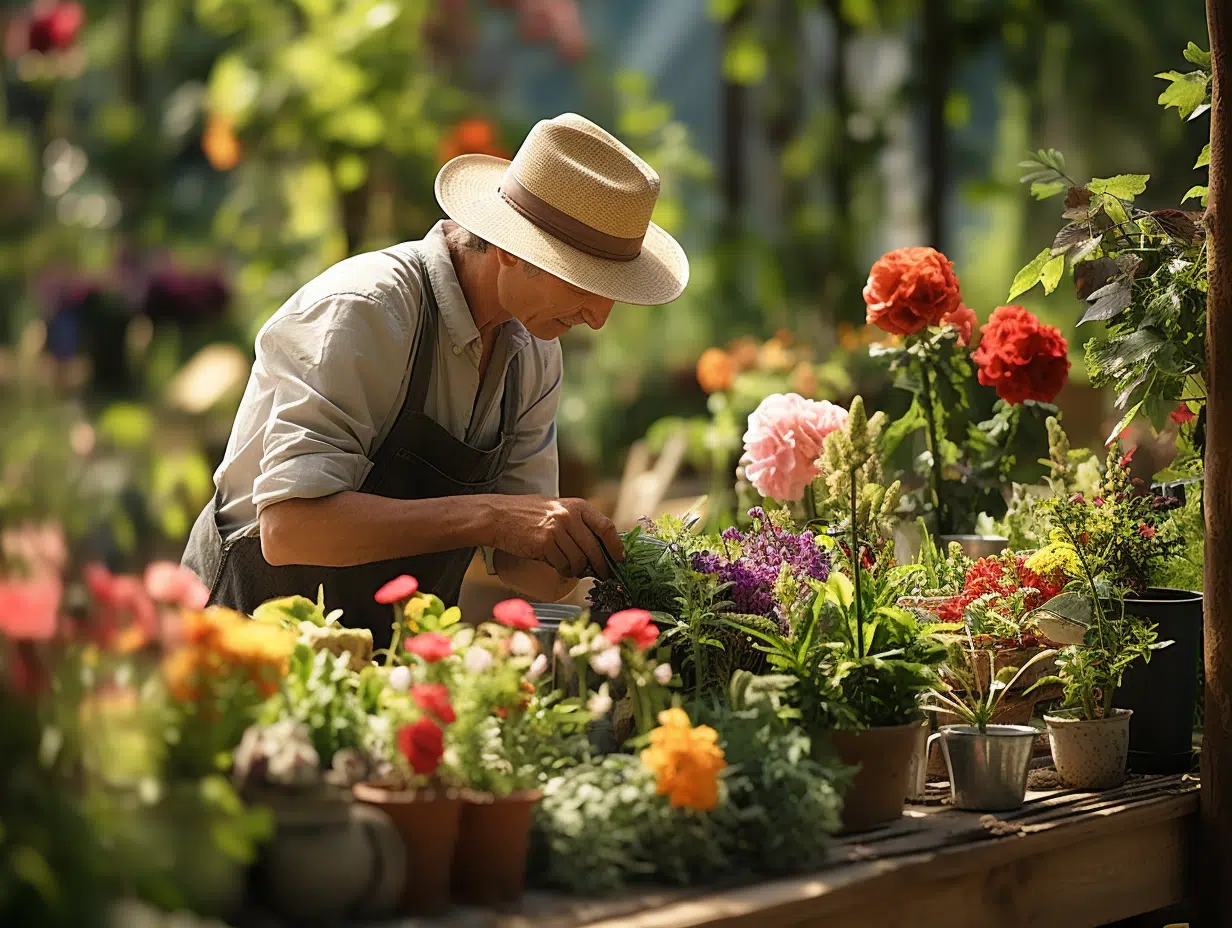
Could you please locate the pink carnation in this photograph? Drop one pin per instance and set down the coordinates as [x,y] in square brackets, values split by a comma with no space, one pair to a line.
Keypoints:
[783,443]
[175,585]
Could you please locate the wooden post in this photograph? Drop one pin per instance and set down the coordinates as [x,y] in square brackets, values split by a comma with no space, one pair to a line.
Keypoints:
[1215,881]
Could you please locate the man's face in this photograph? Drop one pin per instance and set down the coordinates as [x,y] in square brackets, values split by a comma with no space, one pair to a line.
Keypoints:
[548,306]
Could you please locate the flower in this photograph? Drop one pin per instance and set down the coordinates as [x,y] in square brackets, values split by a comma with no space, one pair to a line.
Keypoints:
[175,585]
[29,608]
[433,698]
[607,662]
[473,136]
[120,602]
[522,644]
[663,674]
[1127,458]
[431,646]
[477,659]
[397,589]
[220,143]
[400,679]
[784,441]
[1020,357]
[1147,531]
[716,369]
[537,668]
[46,27]
[1182,414]
[634,625]
[599,704]
[515,613]
[964,320]
[685,761]
[40,549]
[423,745]
[909,289]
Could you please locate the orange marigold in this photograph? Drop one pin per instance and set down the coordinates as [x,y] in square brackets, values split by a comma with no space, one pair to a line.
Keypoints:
[685,761]
[716,370]
[220,143]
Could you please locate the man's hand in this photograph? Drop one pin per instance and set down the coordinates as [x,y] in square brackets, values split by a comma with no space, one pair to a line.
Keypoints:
[569,534]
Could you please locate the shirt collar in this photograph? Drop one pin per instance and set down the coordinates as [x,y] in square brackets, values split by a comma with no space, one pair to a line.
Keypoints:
[455,312]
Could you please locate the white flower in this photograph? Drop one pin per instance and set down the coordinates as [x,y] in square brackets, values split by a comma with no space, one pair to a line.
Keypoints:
[537,668]
[400,679]
[560,650]
[477,660]
[606,662]
[522,644]
[600,704]
[663,673]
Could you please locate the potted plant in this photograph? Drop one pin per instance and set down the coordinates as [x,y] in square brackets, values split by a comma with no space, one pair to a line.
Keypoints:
[987,763]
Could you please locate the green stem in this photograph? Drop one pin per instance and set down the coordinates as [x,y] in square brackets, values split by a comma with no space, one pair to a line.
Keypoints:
[397,636]
[934,448]
[855,567]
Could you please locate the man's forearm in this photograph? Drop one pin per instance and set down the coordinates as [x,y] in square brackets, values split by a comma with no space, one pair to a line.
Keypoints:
[351,528]
[534,580]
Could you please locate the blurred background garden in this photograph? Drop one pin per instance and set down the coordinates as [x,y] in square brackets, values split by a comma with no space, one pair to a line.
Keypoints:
[172,170]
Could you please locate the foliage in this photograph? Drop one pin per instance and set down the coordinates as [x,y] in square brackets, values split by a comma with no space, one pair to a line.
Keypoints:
[855,453]
[1142,273]
[1185,570]
[944,573]
[971,701]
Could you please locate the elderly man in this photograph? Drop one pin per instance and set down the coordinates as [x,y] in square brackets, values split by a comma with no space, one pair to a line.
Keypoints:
[400,413]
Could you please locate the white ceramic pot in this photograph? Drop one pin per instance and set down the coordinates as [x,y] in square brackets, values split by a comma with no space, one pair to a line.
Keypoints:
[1090,754]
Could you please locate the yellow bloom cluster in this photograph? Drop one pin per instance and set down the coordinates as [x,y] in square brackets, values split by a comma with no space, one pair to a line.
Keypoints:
[1057,557]
[685,760]
[221,643]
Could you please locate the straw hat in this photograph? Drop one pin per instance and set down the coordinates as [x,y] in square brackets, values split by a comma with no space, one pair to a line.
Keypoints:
[576,202]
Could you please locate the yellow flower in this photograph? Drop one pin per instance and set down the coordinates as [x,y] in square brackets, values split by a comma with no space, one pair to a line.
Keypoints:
[1057,557]
[685,761]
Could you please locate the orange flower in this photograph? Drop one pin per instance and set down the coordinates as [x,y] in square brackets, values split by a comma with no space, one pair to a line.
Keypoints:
[181,670]
[715,370]
[220,143]
[743,353]
[473,136]
[685,761]
[774,356]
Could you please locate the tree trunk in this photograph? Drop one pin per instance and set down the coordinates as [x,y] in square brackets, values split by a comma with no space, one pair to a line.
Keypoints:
[735,127]
[1215,859]
[935,57]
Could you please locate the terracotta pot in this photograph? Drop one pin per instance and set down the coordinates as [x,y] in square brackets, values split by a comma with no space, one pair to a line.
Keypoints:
[489,861]
[428,825]
[331,857]
[879,790]
[1090,755]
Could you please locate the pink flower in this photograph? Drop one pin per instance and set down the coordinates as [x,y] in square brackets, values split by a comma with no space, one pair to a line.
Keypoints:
[175,585]
[30,608]
[397,589]
[634,625]
[964,320]
[1147,531]
[515,613]
[120,603]
[784,441]
[431,646]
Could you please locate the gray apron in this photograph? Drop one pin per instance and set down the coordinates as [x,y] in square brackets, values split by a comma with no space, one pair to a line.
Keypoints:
[419,459]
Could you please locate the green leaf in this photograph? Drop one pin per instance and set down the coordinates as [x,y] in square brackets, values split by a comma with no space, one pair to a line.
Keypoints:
[1123,424]
[723,10]
[1029,276]
[1109,301]
[1198,191]
[1051,275]
[745,59]
[1195,55]
[1187,92]
[1123,186]
[1043,190]
[1204,159]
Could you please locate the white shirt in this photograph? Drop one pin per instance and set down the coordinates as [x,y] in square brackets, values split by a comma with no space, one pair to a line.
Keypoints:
[331,373]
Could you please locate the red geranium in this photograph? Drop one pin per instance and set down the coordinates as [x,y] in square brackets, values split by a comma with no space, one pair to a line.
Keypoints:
[1022,358]
[431,646]
[423,745]
[964,320]
[909,289]
[29,609]
[433,698]
[397,589]
[515,613]
[633,624]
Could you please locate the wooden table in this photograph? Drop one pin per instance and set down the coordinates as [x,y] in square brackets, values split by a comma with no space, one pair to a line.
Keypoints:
[1067,859]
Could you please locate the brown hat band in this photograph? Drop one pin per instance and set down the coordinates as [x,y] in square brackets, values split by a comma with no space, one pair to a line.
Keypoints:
[569,230]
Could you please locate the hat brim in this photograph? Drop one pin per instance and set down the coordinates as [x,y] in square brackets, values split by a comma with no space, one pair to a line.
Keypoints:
[468,190]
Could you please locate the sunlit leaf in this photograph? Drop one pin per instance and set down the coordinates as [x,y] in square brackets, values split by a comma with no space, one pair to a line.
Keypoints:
[745,59]
[1051,275]
[1204,159]
[1029,276]
[1123,186]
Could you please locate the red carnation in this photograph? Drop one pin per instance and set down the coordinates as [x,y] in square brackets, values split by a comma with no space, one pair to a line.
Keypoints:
[911,288]
[397,589]
[433,698]
[423,745]
[964,320]
[1022,358]
[633,624]
[515,613]
[431,646]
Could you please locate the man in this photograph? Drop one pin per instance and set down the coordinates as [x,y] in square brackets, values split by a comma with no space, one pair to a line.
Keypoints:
[400,413]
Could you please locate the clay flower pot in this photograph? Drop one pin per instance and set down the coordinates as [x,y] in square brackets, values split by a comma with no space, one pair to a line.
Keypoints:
[1090,755]
[489,861]
[427,822]
[879,789]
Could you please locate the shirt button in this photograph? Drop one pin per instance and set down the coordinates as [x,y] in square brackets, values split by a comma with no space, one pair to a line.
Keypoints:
[457,349]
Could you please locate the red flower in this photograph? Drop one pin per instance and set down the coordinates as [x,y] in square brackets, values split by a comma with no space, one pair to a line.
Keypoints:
[121,603]
[473,136]
[423,745]
[516,613]
[1147,531]
[397,589]
[431,646]
[632,624]
[29,609]
[964,320]
[1022,358]
[1127,457]
[911,288]
[1183,414]
[433,698]
[45,27]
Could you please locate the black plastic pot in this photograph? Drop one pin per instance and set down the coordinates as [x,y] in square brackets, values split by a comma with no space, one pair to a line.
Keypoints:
[1162,693]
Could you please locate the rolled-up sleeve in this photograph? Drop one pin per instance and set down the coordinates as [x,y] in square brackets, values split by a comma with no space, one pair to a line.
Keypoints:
[338,366]
[533,466]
